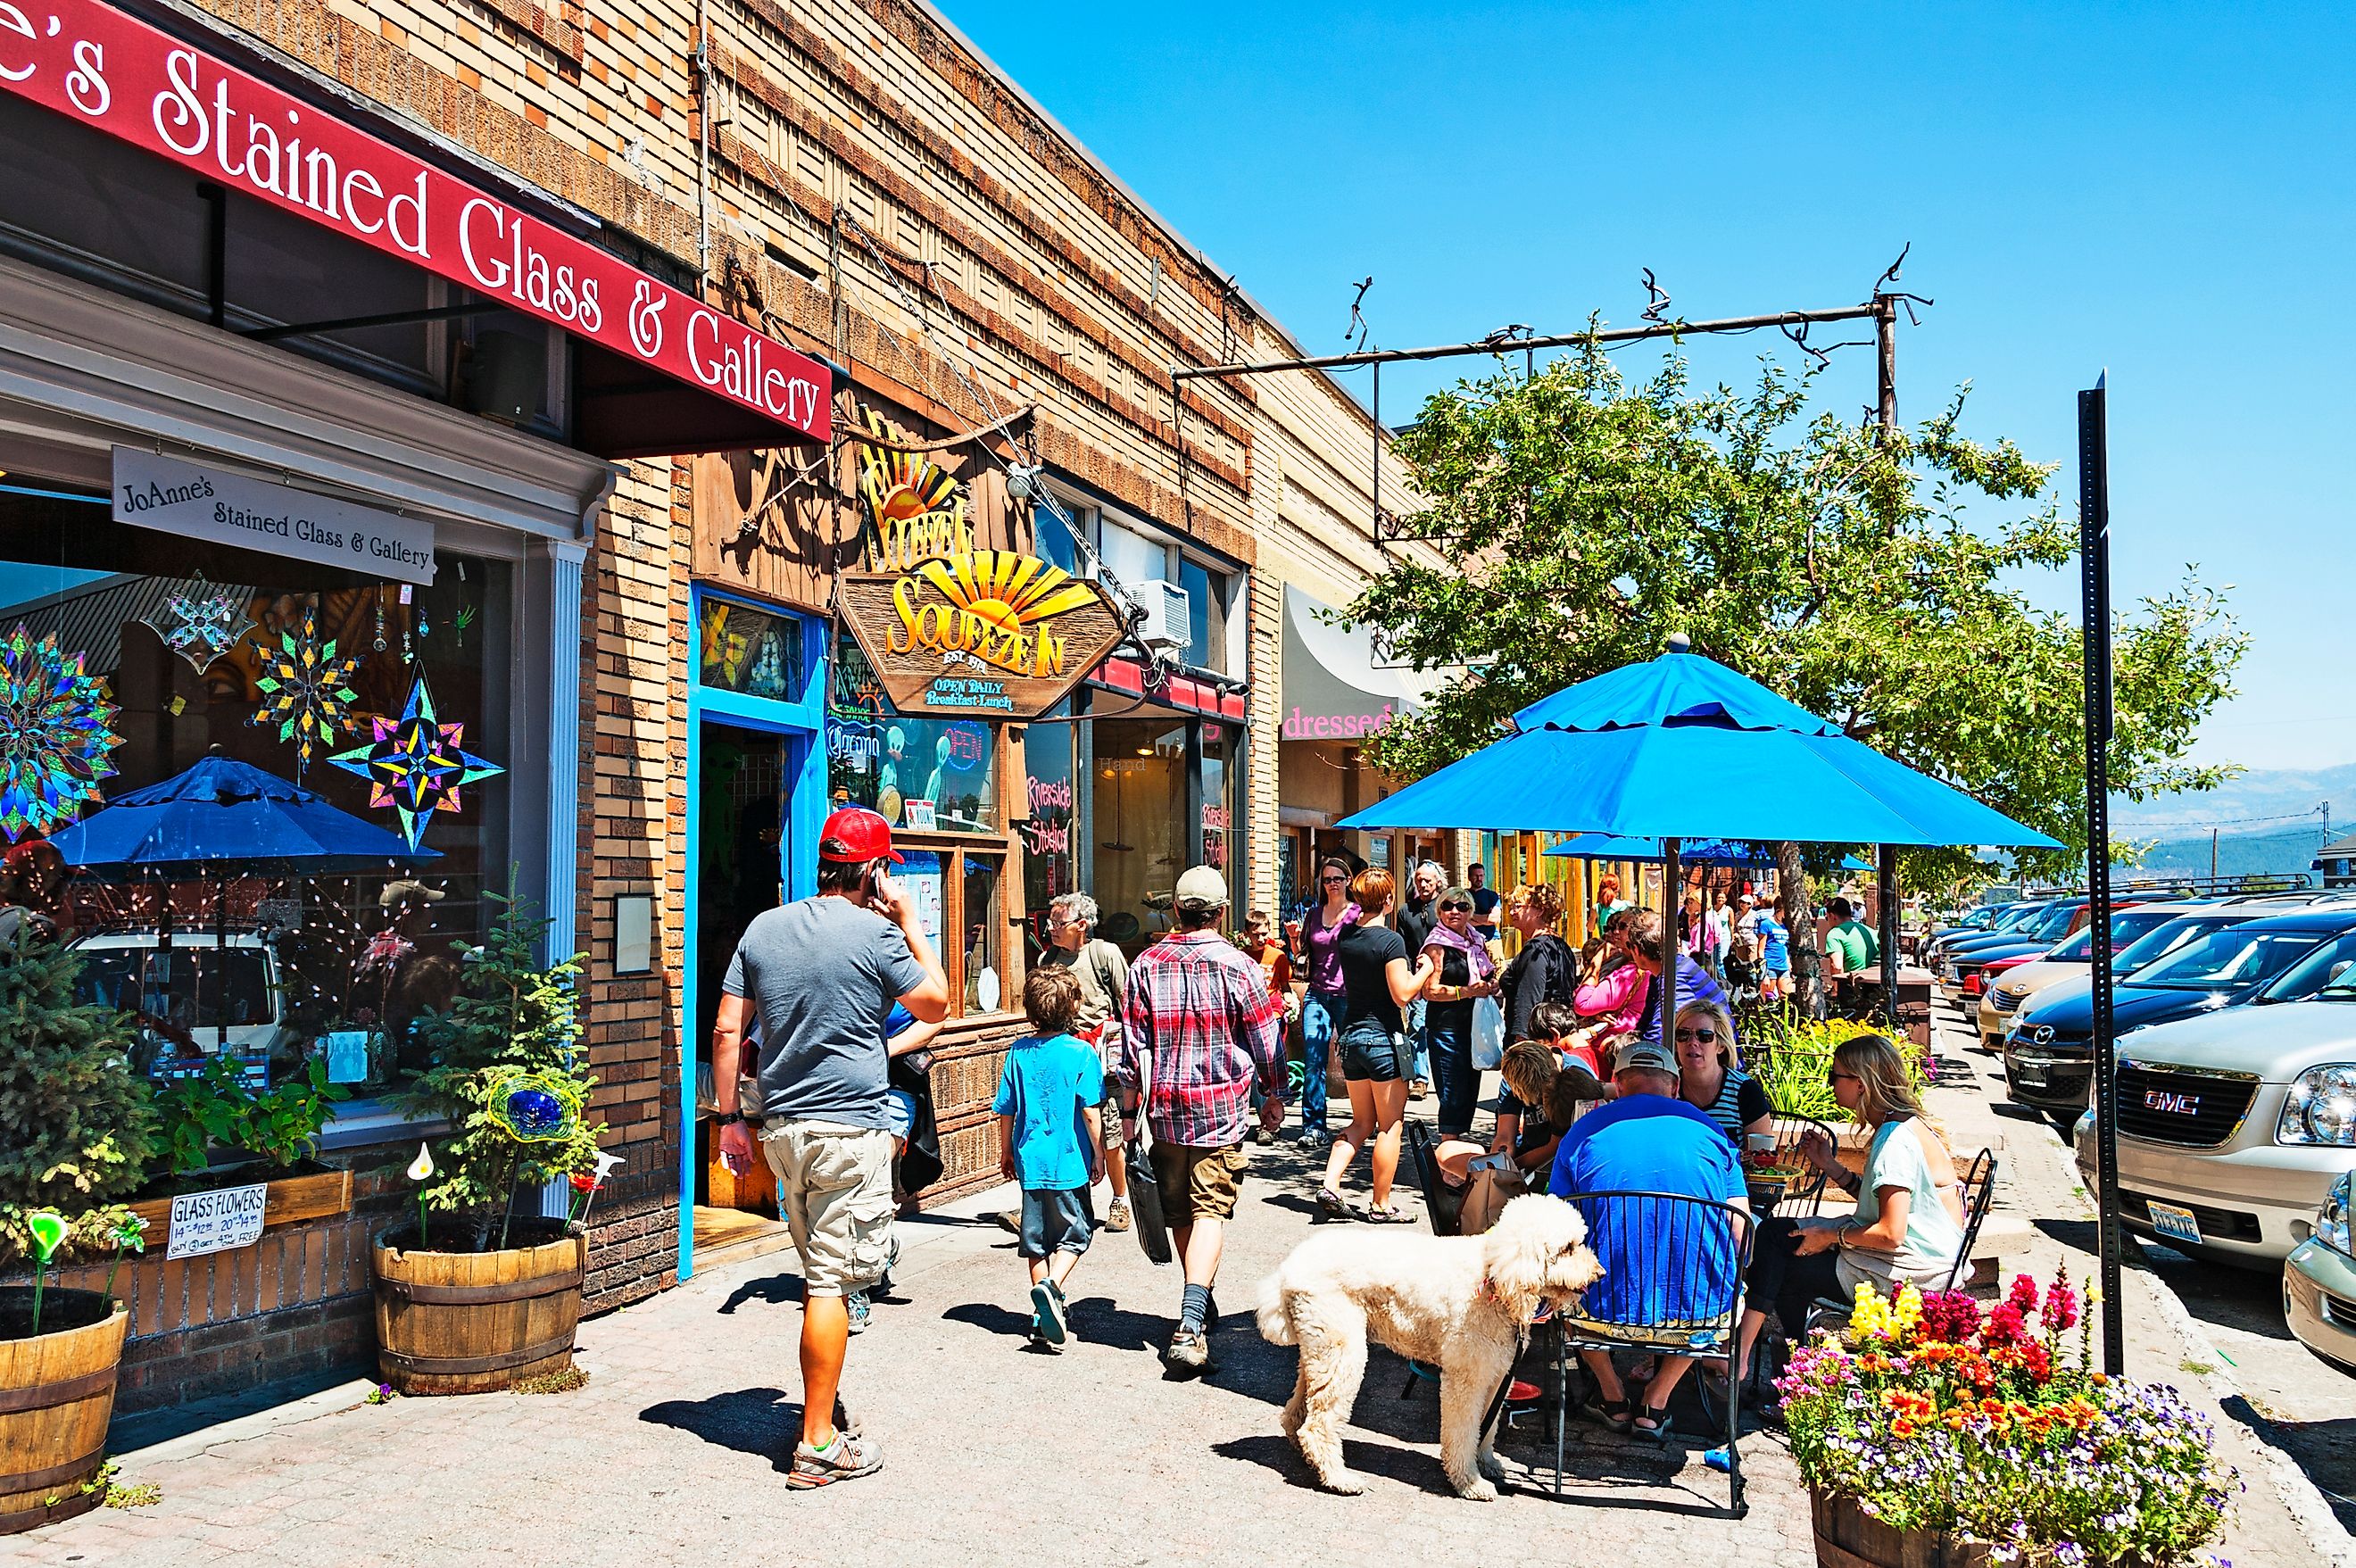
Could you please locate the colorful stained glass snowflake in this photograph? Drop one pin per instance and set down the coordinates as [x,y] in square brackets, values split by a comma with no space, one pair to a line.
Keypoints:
[415,764]
[306,691]
[203,623]
[54,735]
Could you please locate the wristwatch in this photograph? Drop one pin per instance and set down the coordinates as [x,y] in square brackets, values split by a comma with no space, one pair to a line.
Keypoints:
[727,1118]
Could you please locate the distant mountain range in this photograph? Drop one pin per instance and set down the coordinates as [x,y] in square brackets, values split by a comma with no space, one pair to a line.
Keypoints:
[2264,820]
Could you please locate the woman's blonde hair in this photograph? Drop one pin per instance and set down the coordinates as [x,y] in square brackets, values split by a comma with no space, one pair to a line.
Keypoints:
[1702,1011]
[1529,1070]
[1884,1093]
[1544,899]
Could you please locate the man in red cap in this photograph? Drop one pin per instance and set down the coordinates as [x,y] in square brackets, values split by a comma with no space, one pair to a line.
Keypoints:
[823,973]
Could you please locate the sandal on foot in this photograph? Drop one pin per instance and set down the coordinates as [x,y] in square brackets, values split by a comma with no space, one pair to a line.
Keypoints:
[1389,1214]
[1328,1203]
[1661,1428]
[1612,1415]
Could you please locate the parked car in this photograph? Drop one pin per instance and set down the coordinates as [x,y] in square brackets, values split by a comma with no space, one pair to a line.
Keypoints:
[192,1001]
[1960,966]
[2234,1126]
[2047,1052]
[2010,982]
[2010,918]
[2320,1282]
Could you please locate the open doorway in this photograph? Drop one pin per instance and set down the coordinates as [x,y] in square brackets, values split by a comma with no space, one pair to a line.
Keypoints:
[742,778]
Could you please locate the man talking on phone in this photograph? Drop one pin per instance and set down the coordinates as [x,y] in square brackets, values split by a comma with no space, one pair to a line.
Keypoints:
[823,973]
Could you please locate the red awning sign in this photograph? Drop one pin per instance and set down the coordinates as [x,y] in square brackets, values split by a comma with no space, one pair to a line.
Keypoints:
[114,71]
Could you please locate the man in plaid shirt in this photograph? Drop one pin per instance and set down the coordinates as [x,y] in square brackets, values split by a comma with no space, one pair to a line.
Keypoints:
[1198,1026]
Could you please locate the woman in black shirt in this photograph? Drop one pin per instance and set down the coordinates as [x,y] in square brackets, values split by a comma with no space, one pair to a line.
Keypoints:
[1377,984]
[1546,969]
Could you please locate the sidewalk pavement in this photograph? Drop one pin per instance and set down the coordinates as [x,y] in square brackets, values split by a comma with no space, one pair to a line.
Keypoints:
[994,1454]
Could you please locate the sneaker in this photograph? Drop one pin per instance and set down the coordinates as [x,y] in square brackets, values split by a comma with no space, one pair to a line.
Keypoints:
[1010,1220]
[1262,1136]
[850,1457]
[1420,1090]
[1116,1217]
[1047,1319]
[1190,1351]
[882,1287]
[856,1304]
[1313,1138]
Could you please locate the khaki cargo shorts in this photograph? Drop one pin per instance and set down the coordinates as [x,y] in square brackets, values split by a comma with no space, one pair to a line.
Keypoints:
[1198,1183]
[834,1188]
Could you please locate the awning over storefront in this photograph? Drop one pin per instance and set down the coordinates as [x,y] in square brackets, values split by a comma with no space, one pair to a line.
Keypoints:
[660,372]
[1332,688]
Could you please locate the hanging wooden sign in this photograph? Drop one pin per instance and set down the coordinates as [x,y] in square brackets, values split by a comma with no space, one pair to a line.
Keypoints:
[987,634]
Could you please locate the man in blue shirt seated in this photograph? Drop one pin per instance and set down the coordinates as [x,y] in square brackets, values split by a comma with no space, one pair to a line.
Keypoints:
[1664,1265]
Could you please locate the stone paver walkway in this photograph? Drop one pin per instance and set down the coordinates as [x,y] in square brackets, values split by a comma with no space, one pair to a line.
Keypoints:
[995,1454]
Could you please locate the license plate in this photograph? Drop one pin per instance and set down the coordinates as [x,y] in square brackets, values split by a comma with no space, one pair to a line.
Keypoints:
[2031,1076]
[2172,1221]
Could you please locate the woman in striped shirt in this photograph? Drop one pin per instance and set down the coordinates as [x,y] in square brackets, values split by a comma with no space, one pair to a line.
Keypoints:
[1707,1078]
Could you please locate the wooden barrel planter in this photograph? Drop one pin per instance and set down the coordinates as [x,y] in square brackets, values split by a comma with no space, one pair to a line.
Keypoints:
[1848,1537]
[467,1323]
[57,1395]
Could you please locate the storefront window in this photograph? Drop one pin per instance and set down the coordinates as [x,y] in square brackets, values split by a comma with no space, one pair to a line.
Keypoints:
[1139,820]
[985,925]
[265,963]
[926,775]
[746,651]
[1218,812]
[1048,860]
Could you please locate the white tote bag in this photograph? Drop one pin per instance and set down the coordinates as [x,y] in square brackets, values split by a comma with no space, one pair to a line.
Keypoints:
[1488,1034]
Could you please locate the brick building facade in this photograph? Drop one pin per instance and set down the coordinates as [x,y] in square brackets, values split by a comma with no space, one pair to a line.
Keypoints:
[854,179]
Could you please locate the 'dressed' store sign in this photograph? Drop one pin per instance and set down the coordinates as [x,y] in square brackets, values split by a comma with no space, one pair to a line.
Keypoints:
[110,70]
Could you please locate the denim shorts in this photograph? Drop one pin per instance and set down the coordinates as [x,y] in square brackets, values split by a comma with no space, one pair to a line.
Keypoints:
[1056,1220]
[1370,1052]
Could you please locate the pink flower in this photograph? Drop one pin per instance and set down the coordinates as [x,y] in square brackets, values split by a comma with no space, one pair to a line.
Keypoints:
[2023,1297]
[2060,1307]
[2005,1324]
[1950,1316]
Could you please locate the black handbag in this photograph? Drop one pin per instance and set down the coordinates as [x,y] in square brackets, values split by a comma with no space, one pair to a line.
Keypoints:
[1145,1204]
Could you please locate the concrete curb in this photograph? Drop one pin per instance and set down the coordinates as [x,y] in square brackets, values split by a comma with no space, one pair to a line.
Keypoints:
[2306,1504]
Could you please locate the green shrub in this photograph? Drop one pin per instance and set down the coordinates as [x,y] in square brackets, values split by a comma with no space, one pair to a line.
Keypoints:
[214,1108]
[76,1124]
[1790,1055]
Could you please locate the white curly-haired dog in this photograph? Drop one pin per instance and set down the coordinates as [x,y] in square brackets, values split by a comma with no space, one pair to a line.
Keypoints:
[1454,1302]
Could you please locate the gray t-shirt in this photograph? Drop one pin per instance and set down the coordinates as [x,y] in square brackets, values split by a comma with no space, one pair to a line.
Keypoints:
[823,973]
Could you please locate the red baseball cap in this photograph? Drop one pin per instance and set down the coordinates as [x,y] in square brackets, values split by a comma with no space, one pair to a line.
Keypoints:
[856,834]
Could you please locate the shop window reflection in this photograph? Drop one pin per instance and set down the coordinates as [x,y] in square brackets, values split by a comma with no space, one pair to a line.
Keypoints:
[926,775]
[985,970]
[1143,834]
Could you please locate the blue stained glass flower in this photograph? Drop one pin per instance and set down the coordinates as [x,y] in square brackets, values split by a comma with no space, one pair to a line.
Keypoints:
[54,735]
[535,1109]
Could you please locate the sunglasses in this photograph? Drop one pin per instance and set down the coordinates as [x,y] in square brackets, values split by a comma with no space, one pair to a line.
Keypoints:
[1334,881]
[1698,1036]
[1464,909]
[1837,1075]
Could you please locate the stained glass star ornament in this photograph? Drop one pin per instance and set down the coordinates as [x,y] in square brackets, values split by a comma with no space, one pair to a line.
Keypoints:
[306,691]
[203,621]
[55,735]
[416,764]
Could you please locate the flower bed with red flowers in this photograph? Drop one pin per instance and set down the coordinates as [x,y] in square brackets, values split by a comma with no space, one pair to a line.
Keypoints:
[1933,1415]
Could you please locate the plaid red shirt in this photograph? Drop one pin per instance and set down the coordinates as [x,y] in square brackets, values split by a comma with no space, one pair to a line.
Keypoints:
[1200,1009]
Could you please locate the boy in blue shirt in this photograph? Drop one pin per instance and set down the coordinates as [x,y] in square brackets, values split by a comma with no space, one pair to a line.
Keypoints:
[1050,1141]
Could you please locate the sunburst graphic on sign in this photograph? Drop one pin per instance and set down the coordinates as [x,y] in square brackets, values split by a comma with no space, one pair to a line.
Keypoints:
[1006,590]
[203,621]
[919,509]
[306,691]
[415,764]
[54,735]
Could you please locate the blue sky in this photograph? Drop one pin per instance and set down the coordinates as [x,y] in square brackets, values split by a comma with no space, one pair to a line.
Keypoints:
[2163,190]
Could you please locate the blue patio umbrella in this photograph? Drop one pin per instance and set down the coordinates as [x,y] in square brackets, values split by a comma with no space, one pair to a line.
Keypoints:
[222,818]
[1681,747]
[1695,852]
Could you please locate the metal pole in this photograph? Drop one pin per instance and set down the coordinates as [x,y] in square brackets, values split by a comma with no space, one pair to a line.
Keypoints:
[1530,346]
[1672,903]
[2095,566]
[1885,859]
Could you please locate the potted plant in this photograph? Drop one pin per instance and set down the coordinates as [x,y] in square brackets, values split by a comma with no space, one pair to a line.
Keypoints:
[1933,1434]
[477,1295]
[74,1136]
[215,1130]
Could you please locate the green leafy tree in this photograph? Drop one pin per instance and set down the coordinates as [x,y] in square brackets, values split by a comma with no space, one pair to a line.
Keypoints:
[515,1022]
[1582,518]
[75,1122]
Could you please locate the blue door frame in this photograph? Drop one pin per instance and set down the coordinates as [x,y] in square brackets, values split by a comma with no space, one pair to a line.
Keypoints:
[803,722]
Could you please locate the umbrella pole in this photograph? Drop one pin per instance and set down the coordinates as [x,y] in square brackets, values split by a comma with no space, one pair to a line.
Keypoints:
[1885,872]
[1672,894]
[220,964]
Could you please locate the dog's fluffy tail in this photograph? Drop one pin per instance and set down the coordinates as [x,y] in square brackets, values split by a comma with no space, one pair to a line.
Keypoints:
[1274,1317]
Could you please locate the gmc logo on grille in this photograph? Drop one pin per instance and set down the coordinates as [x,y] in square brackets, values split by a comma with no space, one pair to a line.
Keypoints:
[2174,1104]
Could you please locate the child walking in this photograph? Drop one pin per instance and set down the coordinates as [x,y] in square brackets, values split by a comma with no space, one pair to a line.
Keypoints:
[1049,1140]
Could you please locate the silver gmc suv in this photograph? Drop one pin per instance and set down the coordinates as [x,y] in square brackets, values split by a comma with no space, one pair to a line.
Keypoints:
[2234,1124]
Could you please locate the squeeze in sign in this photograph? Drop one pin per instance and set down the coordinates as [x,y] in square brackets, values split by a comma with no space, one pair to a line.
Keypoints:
[106,68]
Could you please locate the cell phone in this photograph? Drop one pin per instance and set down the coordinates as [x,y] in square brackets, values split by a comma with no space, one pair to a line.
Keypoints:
[1500,1161]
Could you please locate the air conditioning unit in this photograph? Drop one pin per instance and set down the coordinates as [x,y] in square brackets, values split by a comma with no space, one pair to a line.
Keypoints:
[1167,621]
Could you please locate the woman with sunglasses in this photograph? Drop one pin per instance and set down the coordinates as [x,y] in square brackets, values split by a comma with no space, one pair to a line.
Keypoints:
[1322,1008]
[1377,983]
[1908,1226]
[1466,972]
[1707,1078]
